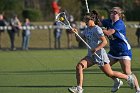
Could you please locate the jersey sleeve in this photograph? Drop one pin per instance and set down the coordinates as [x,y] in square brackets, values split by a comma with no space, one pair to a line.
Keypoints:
[99,32]
[105,23]
[119,27]
[82,34]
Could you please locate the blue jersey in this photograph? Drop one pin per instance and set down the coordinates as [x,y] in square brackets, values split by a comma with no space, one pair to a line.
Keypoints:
[119,45]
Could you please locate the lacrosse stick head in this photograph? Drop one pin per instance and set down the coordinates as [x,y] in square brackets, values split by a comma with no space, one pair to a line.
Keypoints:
[61,17]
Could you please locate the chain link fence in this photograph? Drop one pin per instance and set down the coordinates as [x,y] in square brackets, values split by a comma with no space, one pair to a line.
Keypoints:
[42,36]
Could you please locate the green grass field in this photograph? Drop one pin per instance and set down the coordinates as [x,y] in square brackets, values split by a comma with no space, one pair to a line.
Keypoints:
[53,71]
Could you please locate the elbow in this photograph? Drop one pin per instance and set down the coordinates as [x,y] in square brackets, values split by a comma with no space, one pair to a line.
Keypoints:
[109,32]
[105,42]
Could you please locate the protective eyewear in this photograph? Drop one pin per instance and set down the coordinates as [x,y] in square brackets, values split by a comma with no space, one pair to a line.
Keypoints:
[114,12]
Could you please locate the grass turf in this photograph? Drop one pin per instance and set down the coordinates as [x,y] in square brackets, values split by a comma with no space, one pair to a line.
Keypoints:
[53,71]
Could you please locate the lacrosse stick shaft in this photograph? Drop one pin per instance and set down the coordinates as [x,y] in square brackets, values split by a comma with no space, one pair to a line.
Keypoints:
[85,42]
[87,6]
[81,38]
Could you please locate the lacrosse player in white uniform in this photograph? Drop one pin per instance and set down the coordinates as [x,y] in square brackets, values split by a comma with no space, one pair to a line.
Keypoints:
[96,40]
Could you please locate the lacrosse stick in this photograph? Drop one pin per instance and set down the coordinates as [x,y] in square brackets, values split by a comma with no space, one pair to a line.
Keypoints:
[87,6]
[61,17]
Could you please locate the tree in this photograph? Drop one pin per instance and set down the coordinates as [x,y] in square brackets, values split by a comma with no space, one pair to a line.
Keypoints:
[75,7]
[11,6]
[72,7]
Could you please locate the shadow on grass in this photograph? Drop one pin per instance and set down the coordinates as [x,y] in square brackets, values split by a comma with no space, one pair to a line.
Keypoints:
[60,86]
[68,71]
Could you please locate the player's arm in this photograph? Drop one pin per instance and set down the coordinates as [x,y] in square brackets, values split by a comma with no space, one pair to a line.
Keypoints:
[104,27]
[77,38]
[109,32]
[101,45]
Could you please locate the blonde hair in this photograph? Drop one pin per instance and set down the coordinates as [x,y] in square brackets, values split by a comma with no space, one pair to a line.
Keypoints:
[119,11]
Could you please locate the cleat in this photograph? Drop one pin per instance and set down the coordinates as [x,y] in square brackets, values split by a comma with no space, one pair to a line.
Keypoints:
[117,85]
[75,90]
[131,81]
[138,91]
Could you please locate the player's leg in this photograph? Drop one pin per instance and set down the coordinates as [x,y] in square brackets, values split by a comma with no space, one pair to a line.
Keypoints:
[83,64]
[126,67]
[138,39]
[112,60]
[69,38]
[0,39]
[110,73]
[117,82]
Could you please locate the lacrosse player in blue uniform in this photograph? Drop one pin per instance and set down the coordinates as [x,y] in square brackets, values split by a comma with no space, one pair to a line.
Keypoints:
[120,49]
[96,40]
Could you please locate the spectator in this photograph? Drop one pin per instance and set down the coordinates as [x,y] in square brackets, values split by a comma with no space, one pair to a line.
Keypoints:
[69,32]
[57,34]
[102,18]
[56,7]
[26,35]
[2,24]
[15,27]
[138,34]
[81,30]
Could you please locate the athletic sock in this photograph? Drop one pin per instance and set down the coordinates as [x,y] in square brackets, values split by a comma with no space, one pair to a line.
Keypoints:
[79,87]
[116,80]
[138,89]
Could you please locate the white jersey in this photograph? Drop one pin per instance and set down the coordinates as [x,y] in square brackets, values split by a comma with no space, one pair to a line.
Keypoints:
[92,36]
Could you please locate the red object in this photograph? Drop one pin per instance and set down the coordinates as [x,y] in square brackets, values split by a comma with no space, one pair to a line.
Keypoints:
[55,7]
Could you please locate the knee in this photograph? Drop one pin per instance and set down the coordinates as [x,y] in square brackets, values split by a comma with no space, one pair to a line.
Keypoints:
[79,66]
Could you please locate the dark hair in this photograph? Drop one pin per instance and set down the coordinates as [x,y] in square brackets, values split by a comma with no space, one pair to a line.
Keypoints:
[87,18]
[96,16]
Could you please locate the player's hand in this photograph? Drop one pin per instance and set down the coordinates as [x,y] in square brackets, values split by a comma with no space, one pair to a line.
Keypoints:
[94,50]
[74,30]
